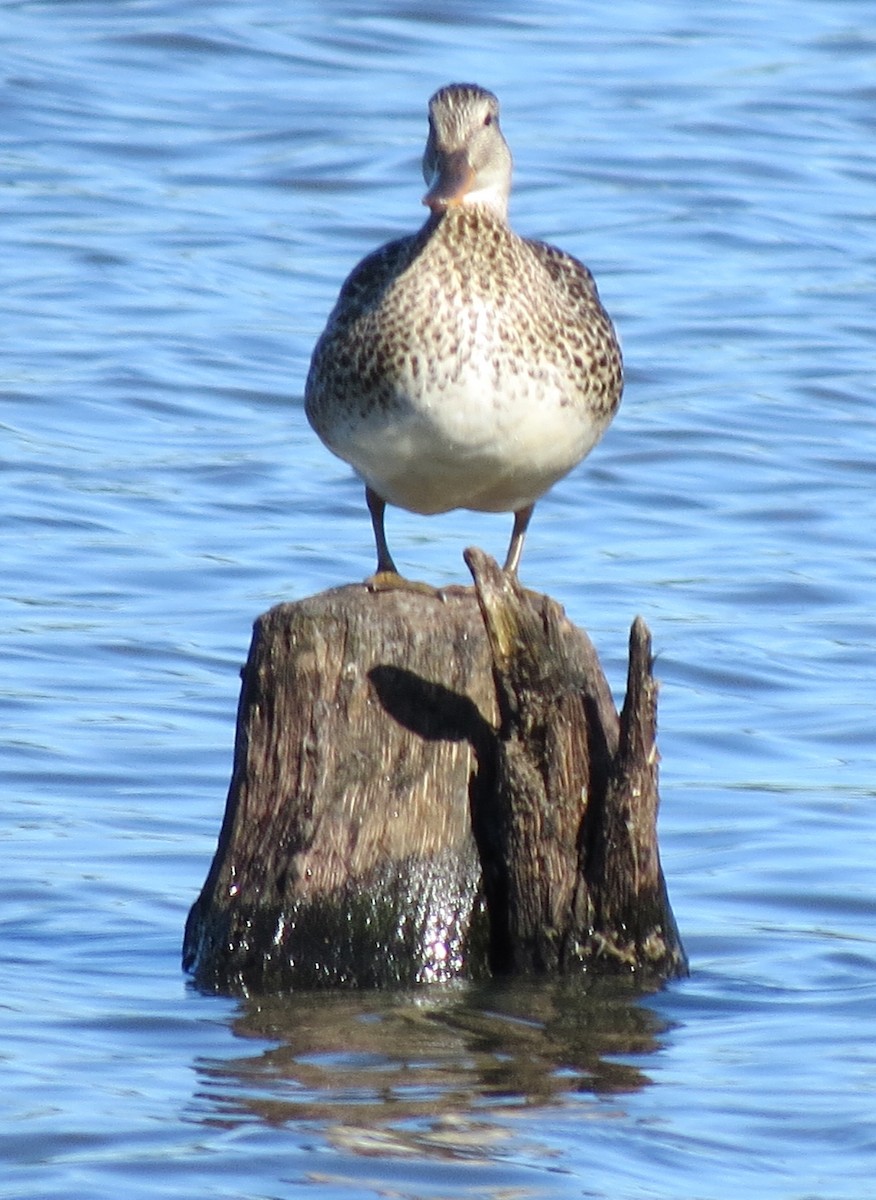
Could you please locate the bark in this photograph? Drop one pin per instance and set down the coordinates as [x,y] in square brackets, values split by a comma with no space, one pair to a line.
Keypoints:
[432,786]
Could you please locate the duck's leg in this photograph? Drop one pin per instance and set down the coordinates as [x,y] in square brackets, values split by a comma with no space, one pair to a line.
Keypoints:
[518,533]
[386,578]
[377,507]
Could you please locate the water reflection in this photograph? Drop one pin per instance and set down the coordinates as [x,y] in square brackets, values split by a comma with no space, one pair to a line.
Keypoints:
[384,1073]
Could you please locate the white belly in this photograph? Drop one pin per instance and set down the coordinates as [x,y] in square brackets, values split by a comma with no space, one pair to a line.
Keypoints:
[477,442]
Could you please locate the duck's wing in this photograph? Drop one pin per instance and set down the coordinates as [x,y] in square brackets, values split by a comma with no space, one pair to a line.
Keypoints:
[585,329]
[567,272]
[366,284]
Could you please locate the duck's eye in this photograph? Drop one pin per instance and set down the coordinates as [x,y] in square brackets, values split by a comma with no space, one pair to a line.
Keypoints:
[488,119]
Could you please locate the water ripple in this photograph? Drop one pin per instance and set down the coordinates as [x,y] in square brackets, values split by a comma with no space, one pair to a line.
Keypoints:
[183,189]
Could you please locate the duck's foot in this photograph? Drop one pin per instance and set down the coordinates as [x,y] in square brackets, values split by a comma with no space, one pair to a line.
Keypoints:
[391,581]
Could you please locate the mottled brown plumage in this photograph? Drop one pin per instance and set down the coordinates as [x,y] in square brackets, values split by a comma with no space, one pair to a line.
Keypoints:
[464,367]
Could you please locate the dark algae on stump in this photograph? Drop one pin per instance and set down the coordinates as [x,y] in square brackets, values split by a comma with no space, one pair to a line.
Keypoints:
[430,786]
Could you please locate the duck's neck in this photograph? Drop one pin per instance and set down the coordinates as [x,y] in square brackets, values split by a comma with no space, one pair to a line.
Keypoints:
[466,217]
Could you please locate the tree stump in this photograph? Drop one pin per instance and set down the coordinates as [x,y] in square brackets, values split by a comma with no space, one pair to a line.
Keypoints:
[430,786]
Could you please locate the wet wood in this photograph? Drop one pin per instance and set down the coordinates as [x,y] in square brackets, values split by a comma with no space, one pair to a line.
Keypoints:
[431,786]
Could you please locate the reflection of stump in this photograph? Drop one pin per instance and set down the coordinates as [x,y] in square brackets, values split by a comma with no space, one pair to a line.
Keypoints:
[429,787]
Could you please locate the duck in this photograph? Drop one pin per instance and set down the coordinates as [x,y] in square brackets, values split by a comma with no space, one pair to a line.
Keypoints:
[464,366]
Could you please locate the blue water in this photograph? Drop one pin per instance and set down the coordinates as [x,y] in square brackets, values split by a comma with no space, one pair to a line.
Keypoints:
[183,189]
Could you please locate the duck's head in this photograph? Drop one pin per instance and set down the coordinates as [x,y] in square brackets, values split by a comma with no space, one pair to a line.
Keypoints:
[467,160]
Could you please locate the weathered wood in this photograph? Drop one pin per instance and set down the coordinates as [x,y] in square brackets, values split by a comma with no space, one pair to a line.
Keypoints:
[632,918]
[429,786]
[346,855]
[572,831]
[557,734]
